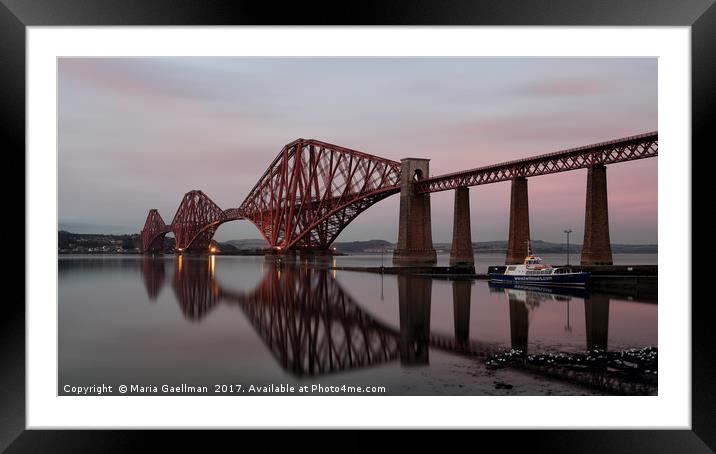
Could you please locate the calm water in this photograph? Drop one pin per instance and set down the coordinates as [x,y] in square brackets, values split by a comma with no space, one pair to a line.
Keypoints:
[233,320]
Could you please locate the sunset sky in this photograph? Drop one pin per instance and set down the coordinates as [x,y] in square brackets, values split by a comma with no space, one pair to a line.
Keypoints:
[136,134]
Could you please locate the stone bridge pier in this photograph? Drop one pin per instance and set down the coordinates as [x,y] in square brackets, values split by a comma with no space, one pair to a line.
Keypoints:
[519,233]
[415,238]
[415,241]
[596,249]
[461,253]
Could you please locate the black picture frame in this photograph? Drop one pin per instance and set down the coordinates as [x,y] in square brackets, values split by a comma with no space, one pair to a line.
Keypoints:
[700,15]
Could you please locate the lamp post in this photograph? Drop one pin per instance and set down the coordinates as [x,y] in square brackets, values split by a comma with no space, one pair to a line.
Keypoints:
[568,231]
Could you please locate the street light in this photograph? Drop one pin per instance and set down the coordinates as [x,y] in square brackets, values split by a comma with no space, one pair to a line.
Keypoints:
[382,249]
[568,231]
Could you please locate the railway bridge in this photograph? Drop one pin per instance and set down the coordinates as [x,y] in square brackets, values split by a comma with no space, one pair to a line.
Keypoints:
[312,190]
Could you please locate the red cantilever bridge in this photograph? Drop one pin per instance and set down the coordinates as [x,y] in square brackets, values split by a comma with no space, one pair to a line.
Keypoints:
[306,197]
[312,190]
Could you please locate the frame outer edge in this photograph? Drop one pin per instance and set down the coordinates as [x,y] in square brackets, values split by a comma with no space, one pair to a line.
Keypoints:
[703,314]
[12,131]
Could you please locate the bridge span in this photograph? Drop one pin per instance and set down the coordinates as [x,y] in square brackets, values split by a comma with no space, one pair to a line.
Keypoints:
[312,190]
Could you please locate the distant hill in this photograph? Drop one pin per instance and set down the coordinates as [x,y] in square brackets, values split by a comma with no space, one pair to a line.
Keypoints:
[78,242]
[227,247]
[375,246]
[538,246]
[247,245]
[68,242]
[349,247]
[544,247]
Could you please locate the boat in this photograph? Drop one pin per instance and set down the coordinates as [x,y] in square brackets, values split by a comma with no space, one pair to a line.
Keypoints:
[534,272]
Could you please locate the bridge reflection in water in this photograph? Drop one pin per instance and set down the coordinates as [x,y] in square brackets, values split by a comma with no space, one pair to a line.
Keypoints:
[153,273]
[524,300]
[312,326]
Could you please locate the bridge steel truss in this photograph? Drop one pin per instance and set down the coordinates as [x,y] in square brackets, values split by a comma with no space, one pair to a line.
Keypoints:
[196,221]
[311,191]
[153,232]
[620,150]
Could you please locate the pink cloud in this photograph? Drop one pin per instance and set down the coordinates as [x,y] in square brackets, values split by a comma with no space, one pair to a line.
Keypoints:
[566,87]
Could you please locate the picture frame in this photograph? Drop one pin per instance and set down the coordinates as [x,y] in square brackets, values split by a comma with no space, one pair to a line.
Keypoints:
[700,15]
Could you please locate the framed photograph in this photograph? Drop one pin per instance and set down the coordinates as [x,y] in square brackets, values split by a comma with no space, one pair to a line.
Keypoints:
[410,217]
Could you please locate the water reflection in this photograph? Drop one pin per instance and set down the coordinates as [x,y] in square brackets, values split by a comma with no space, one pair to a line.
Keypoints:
[523,301]
[303,316]
[414,295]
[312,326]
[153,271]
[596,315]
[519,321]
[461,293]
[195,288]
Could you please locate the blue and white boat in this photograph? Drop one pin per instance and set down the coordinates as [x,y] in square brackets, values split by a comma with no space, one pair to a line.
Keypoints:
[534,272]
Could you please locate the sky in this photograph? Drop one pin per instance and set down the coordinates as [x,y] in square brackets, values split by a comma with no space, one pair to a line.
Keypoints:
[138,133]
